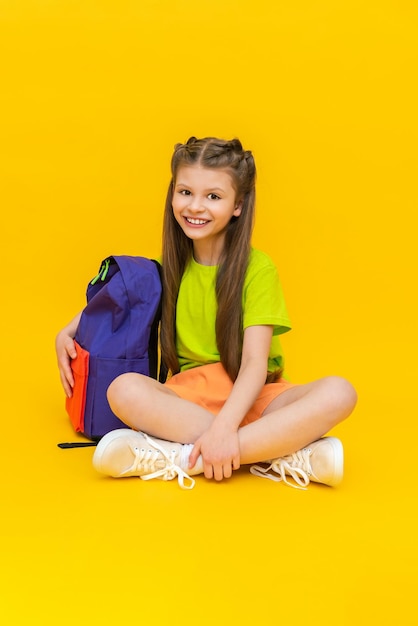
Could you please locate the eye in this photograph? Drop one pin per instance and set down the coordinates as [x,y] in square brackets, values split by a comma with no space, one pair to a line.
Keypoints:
[184,192]
[213,196]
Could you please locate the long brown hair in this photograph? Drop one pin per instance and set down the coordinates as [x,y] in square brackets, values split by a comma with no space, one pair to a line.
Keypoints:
[178,249]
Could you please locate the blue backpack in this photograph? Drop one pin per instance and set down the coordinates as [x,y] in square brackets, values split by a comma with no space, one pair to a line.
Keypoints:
[117,333]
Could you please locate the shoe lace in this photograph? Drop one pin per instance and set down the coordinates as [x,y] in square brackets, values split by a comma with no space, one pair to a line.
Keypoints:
[146,459]
[296,465]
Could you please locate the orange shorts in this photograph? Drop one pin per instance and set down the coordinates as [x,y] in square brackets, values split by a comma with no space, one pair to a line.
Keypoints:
[209,386]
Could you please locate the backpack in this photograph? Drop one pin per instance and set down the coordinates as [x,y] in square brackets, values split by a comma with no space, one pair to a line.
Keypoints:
[117,333]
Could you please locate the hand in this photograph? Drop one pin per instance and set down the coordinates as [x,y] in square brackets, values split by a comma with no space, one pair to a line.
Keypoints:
[219,448]
[65,349]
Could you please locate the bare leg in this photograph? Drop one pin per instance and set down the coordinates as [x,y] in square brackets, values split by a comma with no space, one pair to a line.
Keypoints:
[144,404]
[297,417]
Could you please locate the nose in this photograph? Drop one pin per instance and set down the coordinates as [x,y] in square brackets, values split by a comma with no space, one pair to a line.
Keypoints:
[195,204]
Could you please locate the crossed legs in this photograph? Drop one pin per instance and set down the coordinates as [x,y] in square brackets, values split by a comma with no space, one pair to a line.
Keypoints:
[297,417]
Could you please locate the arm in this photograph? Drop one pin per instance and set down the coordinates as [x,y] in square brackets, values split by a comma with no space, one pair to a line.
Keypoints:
[219,445]
[64,347]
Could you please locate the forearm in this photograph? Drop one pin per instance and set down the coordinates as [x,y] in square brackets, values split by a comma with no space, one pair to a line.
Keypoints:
[246,389]
[251,377]
[219,445]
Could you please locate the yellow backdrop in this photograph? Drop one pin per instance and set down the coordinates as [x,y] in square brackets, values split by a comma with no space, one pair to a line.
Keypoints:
[94,95]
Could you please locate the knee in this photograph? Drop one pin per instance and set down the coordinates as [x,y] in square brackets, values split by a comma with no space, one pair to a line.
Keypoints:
[341,395]
[122,391]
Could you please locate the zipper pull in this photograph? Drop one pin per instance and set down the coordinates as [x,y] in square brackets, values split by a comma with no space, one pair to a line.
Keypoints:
[104,268]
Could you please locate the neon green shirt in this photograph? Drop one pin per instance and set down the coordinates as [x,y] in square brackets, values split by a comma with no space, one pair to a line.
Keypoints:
[263,304]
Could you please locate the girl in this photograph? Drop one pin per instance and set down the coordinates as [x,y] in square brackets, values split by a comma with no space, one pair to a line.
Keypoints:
[226,403]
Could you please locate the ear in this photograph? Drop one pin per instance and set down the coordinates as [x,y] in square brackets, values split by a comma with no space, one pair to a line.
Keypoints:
[238,209]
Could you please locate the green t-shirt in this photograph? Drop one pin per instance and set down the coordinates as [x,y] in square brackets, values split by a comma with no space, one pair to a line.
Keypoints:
[263,304]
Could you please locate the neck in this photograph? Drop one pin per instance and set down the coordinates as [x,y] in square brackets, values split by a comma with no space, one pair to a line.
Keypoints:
[207,254]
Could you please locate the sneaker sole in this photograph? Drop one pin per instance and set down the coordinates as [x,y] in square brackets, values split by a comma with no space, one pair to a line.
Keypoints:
[339,460]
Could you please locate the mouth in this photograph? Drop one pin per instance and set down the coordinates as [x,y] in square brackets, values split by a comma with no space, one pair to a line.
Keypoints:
[195,222]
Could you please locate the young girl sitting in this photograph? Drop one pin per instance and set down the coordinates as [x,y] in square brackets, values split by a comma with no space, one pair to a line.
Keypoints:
[226,403]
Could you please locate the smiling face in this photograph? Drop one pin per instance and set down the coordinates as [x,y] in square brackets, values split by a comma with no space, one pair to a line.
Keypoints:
[204,202]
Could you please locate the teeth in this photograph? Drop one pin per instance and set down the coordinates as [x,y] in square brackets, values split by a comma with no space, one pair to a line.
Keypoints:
[195,221]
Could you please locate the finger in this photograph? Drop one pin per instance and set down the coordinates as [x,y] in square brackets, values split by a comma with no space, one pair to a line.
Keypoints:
[66,373]
[227,471]
[70,349]
[208,470]
[66,385]
[194,455]
[218,472]
[236,463]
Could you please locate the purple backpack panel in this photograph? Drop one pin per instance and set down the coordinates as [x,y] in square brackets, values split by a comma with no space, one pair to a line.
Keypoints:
[119,331]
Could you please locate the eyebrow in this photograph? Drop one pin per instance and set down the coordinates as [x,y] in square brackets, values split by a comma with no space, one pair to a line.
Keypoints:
[208,190]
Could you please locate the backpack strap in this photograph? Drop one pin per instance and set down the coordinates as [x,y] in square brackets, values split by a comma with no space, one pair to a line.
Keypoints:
[77,444]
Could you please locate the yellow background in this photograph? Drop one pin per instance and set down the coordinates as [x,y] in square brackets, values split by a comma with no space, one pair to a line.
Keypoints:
[94,94]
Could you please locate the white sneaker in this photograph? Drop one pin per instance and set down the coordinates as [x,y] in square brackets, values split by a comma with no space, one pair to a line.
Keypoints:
[322,462]
[125,452]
